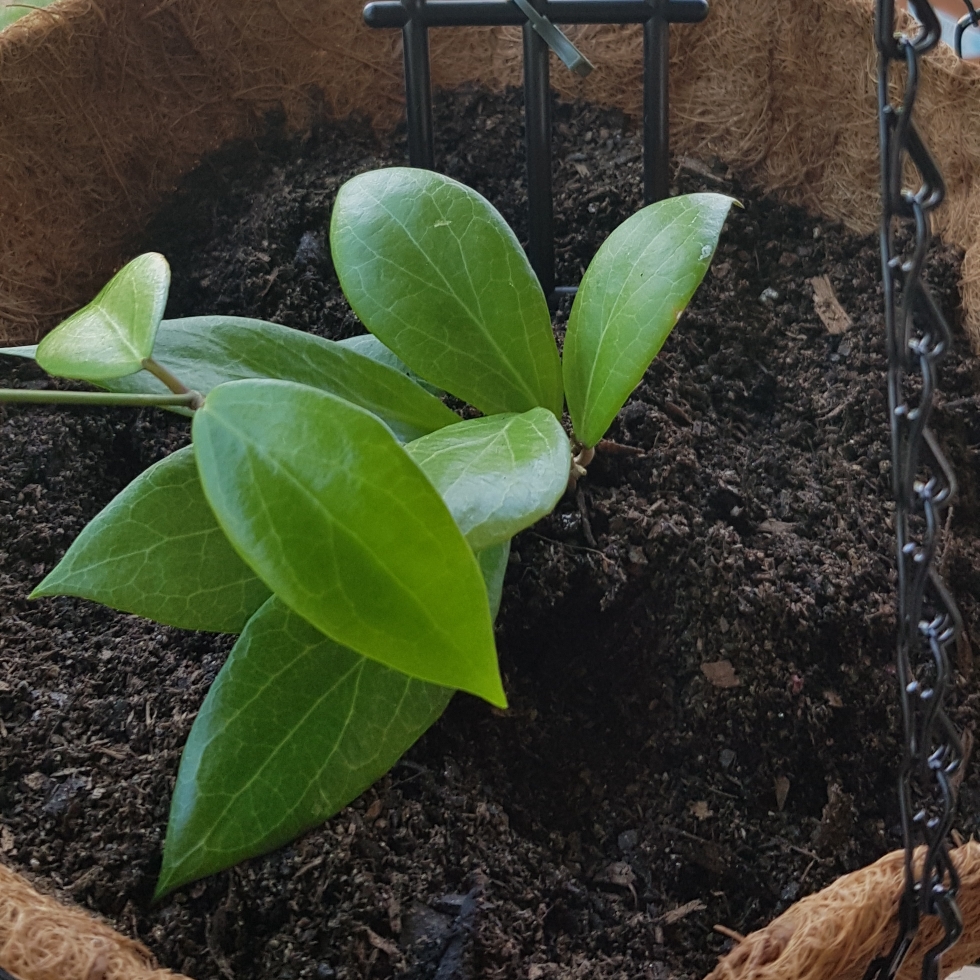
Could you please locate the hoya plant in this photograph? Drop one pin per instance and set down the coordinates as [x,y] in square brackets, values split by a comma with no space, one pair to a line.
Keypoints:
[331,509]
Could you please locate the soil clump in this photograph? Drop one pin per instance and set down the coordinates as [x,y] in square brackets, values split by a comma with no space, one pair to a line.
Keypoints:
[697,644]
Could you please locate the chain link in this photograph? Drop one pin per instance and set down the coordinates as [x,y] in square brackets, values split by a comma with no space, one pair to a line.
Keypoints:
[970,19]
[923,483]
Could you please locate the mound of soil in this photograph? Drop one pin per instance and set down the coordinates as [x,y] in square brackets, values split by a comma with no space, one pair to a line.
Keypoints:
[697,645]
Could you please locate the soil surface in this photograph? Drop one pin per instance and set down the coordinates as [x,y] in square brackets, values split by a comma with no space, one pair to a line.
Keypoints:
[638,791]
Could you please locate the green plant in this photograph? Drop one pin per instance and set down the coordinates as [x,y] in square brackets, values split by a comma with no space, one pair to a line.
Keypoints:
[331,509]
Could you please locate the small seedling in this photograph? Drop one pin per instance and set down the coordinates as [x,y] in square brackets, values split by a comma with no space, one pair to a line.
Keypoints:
[331,509]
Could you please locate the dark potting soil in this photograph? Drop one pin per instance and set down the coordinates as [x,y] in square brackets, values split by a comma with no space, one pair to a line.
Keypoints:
[638,791]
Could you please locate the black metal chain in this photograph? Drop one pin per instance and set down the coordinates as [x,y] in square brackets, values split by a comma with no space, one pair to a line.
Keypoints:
[970,19]
[917,338]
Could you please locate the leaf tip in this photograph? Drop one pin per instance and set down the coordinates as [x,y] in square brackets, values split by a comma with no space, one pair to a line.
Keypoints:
[163,888]
[52,584]
[43,589]
[495,693]
[171,877]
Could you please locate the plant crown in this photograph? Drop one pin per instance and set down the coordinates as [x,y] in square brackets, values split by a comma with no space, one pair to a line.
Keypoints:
[331,509]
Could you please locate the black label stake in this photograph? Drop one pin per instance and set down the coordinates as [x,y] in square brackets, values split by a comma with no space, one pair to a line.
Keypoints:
[415,17]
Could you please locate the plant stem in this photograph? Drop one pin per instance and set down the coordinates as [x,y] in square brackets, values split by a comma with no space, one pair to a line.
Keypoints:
[159,371]
[172,382]
[28,396]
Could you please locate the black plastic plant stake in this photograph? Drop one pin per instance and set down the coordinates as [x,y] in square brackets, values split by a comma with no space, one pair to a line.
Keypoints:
[415,17]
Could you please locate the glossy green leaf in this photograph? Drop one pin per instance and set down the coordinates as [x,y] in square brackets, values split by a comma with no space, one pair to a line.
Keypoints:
[631,296]
[493,566]
[327,508]
[206,351]
[499,474]
[157,550]
[432,269]
[29,352]
[368,345]
[113,334]
[294,727]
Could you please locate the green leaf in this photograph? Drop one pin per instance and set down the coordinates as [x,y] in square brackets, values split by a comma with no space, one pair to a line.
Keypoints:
[294,727]
[493,566]
[157,551]
[630,298]
[368,345]
[29,352]
[113,335]
[206,351]
[497,475]
[327,508]
[432,269]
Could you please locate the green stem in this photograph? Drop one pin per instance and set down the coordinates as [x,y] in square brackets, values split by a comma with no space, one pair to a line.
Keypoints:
[27,396]
[159,371]
[172,382]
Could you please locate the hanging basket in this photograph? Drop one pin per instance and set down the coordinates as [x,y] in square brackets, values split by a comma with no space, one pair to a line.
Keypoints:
[105,104]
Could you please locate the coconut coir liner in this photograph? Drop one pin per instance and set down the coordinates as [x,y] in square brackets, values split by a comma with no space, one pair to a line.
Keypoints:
[42,940]
[836,933]
[104,104]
